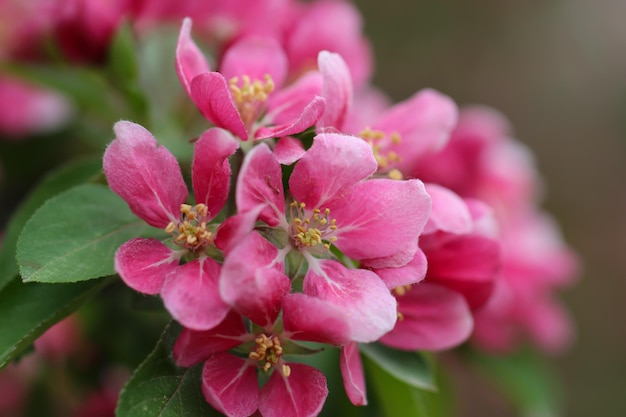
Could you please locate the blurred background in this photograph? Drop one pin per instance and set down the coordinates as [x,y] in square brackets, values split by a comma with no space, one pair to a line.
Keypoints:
[557,70]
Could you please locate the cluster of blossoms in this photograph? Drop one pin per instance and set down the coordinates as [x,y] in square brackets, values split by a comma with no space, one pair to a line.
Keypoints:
[311,221]
[321,212]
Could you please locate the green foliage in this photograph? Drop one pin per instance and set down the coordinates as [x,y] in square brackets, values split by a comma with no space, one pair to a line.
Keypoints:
[411,368]
[73,236]
[160,388]
[524,378]
[394,396]
[73,174]
[27,310]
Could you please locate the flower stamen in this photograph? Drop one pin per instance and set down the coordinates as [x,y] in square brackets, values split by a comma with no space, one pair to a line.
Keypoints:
[374,139]
[309,231]
[268,352]
[191,231]
[250,96]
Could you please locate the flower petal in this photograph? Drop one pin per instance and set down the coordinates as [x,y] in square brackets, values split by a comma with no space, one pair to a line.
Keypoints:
[359,294]
[449,212]
[210,170]
[211,94]
[337,90]
[287,104]
[468,264]
[352,373]
[424,123]
[260,182]
[301,394]
[230,233]
[190,293]
[288,150]
[310,114]
[383,218]
[194,346]
[411,273]
[433,318]
[329,170]
[252,281]
[314,320]
[143,264]
[144,174]
[229,384]
[189,59]
[256,57]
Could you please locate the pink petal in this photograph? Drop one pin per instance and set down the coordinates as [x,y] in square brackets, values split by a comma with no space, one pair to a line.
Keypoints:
[143,264]
[383,218]
[190,293]
[287,104]
[468,264]
[337,90]
[211,94]
[331,26]
[189,59]
[424,122]
[411,273]
[260,182]
[144,174]
[288,150]
[229,384]
[252,281]
[230,233]
[301,394]
[433,318]
[359,294]
[314,320]
[255,57]
[310,114]
[449,212]
[210,170]
[193,346]
[326,174]
[352,373]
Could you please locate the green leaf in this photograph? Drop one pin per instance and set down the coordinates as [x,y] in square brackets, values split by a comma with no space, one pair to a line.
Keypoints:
[122,59]
[411,368]
[160,388]
[73,236]
[524,378]
[27,310]
[394,396]
[76,173]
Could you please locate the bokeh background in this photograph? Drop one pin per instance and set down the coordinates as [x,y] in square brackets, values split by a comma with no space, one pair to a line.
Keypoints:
[557,69]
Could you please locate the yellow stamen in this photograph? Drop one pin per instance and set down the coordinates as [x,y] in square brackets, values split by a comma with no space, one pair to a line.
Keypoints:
[250,96]
[191,232]
[309,231]
[383,157]
[268,352]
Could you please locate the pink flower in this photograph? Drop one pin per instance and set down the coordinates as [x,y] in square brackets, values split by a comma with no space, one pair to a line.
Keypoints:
[229,382]
[463,264]
[483,161]
[27,109]
[247,96]
[60,341]
[536,263]
[375,221]
[148,178]
[333,26]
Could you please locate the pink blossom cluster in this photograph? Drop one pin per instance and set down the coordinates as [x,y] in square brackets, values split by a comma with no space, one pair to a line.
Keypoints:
[322,213]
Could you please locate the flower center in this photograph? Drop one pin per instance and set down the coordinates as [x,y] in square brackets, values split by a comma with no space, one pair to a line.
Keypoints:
[268,352]
[250,96]
[310,231]
[191,232]
[375,138]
